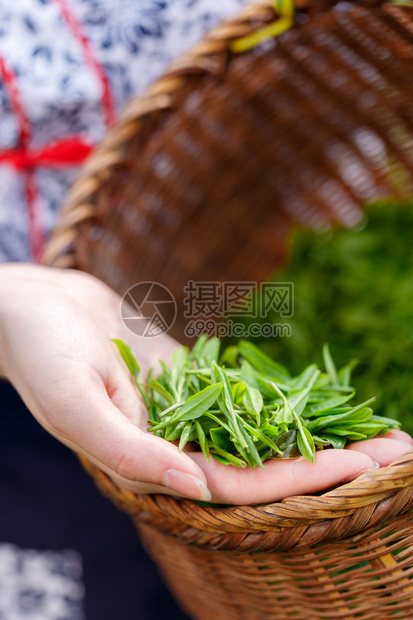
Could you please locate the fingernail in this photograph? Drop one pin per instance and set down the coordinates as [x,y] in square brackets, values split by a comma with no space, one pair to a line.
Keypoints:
[188,485]
[362,471]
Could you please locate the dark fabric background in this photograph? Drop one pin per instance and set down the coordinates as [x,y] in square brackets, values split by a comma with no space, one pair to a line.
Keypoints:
[48,502]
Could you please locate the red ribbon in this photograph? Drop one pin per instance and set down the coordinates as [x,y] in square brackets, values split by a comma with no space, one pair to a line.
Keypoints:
[69,151]
[108,105]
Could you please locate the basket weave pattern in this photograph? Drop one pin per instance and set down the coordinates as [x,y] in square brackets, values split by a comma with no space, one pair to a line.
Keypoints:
[347,553]
[304,130]
[202,178]
[366,576]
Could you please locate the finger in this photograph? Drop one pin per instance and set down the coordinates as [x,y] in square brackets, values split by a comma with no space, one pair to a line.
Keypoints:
[93,426]
[125,396]
[380,449]
[121,385]
[399,435]
[281,478]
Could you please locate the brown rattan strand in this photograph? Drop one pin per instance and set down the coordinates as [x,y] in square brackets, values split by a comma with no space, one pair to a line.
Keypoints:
[306,129]
[347,579]
[374,498]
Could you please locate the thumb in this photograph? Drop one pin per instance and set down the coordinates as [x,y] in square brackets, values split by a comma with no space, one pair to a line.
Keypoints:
[94,427]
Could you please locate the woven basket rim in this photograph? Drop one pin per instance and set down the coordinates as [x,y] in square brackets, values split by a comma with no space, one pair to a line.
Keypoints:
[370,488]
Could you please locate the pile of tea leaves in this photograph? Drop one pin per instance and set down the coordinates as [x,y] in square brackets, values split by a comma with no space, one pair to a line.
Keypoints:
[354,289]
[243,408]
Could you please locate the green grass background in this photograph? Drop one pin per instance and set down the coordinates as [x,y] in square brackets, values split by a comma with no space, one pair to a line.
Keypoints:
[354,290]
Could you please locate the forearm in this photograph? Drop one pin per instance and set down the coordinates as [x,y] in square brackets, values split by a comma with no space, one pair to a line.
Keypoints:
[18,291]
[6,293]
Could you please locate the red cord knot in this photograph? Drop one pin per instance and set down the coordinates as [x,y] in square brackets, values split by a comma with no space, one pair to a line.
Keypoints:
[69,151]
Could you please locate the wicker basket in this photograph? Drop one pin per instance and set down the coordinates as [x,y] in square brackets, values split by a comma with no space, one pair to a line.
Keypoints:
[301,130]
[345,554]
[202,178]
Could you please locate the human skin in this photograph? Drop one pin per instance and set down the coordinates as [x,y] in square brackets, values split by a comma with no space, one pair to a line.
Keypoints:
[55,348]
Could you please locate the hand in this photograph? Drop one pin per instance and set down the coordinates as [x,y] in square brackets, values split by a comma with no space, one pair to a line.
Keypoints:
[55,331]
[283,478]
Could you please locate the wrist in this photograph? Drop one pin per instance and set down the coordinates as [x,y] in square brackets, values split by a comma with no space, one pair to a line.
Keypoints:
[6,277]
[12,278]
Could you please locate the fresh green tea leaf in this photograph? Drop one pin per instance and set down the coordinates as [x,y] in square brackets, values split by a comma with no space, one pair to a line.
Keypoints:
[248,376]
[333,440]
[173,431]
[307,378]
[305,443]
[198,349]
[211,351]
[220,375]
[297,399]
[330,366]
[202,439]
[157,387]
[132,364]
[229,357]
[238,391]
[128,357]
[185,435]
[261,361]
[344,374]
[253,402]
[227,458]
[329,403]
[220,437]
[198,404]
[348,434]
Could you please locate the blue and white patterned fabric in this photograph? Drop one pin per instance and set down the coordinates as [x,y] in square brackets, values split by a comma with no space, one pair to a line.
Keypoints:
[40,585]
[133,40]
